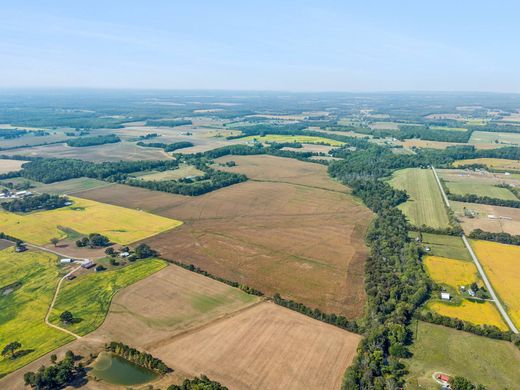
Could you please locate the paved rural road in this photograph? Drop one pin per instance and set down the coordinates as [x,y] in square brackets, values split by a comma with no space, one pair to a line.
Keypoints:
[479,267]
[54,300]
[489,287]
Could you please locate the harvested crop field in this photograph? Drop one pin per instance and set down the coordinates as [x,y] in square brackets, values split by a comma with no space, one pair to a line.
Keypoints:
[425,205]
[267,347]
[10,165]
[304,242]
[502,265]
[495,219]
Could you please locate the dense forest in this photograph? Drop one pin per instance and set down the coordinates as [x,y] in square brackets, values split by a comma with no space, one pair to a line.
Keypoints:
[92,141]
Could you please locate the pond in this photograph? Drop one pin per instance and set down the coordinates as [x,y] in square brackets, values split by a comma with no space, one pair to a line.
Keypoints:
[116,370]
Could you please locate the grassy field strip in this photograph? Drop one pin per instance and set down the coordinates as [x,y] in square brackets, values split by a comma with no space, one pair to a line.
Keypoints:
[54,300]
[489,287]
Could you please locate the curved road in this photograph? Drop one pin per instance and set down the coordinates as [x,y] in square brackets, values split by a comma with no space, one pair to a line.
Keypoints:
[489,287]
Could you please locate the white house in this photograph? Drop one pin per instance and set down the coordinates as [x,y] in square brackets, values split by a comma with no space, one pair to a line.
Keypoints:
[124,254]
[445,296]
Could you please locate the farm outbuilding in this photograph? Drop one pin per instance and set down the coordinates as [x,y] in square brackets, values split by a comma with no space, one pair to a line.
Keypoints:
[446,296]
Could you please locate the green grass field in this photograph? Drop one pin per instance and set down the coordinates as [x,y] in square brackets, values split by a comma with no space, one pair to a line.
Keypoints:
[492,363]
[33,277]
[448,128]
[500,139]
[88,297]
[172,174]
[480,189]
[304,139]
[444,246]
[425,205]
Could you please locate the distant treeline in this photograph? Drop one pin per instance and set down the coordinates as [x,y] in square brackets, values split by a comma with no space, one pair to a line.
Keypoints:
[92,141]
[472,198]
[142,359]
[167,147]
[17,133]
[168,123]
[35,202]
[503,238]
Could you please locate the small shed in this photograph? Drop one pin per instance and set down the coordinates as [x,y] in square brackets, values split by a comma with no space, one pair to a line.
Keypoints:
[124,254]
[65,261]
[445,296]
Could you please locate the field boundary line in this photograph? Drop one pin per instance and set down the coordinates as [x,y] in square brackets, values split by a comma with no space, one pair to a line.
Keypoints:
[444,197]
[54,300]
[489,287]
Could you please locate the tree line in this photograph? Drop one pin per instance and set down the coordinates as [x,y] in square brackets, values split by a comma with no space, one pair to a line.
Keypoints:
[35,202]
[202,383]
[142,359]
[502,237]
[168,123]
[92,141]
[167,147]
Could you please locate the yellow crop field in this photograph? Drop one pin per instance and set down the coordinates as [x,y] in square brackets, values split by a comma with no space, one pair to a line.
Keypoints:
[502,265]
[304,139]
[121,225]
[452,272]
[498,163]
[484,313]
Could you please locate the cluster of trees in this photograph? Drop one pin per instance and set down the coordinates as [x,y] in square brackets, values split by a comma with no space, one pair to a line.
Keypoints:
[142,359]
[329,318]
[167,147]
[58,375]
[92,141]
[461,383]
[504,238]
[148,136]
[35,202]
[168,123]
[143,251]
[194,268]
[472,198]
[210,181]
[94,240]
[11,348]
[202,383]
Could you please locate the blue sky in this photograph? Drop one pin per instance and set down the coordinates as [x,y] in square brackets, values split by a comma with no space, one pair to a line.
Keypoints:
[262,45]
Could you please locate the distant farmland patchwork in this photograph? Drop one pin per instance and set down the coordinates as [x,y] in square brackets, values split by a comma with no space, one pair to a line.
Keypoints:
[425,206]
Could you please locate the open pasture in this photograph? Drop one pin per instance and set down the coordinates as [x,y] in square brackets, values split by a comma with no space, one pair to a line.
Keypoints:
[293,233]
[265,346]
[88,296]
[304,139]
[444,246]
[172,174]
[478,177]
[493,363]
[424,144]
[27,284]
[477,313]
[448,128]
[120,225]
[502,266]
[497,139]
[452,272]
[10,165]
[480,189]
[497,163]
[425,205]
[495,219]
[314,148]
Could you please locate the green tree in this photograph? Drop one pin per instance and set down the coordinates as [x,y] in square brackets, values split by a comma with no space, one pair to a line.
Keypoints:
[66,317]
[54,241]
[11,348]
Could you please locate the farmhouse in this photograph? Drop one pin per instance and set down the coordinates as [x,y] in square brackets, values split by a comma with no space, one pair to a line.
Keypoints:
[446,296]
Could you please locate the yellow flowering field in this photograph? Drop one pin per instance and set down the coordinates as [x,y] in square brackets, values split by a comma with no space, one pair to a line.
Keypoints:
[484,313]
[452,272]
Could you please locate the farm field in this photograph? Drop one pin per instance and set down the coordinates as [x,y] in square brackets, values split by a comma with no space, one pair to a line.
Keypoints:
[452,272]
[419,143]
[10,165]
[315,148]
[70,186]
[448,128]
[501,264]
[444,246]
[477,177]
[384,126]
[108,152]
[493,363]
[120,225]
[172,174]
[478,313]
[498,139]
[497,163]
[480,189]
[508,218]
[244,351]
[425,205]
[88,296]
[283,170]
[304,139]
[304,242]
[182,300]
[27,284]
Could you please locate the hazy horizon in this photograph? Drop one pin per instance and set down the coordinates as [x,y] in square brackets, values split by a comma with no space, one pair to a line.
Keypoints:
[304,46]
